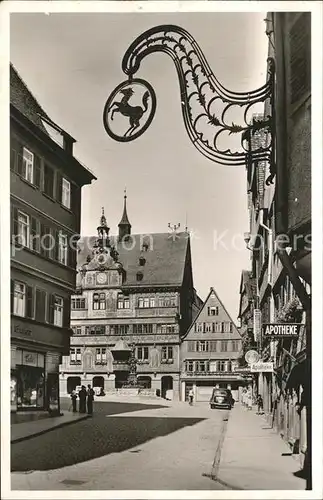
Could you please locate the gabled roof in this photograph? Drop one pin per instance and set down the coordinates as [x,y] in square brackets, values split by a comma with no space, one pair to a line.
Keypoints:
[22,99]
[234,335]
[248,283]
[165,257]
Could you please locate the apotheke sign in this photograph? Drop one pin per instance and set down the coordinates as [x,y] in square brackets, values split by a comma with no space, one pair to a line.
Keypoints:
[261,367]
[278,330]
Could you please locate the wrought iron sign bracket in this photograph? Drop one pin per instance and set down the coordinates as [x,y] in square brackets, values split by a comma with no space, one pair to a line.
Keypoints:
[201,96]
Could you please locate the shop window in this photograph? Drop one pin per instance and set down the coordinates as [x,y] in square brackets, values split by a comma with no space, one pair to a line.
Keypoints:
[30,379]
[58,311]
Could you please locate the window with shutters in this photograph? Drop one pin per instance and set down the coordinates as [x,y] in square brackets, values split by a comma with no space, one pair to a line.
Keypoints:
[23,229]
[66,193]
[58,311]
[28,165]
[48,181]
[62,248]
[19,299]
[40,310]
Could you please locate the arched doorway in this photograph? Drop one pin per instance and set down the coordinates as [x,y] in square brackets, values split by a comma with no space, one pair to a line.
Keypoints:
[167,387]
[72,383]
[98,382]
[144,382]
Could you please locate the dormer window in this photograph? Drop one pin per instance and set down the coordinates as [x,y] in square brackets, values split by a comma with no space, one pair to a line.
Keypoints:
[139,276]
[142,261]
[145,246]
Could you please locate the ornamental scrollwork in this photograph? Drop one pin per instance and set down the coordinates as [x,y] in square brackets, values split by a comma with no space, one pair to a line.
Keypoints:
[206,104]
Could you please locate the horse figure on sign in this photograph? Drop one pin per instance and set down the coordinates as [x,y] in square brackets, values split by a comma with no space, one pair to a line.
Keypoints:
[134,113]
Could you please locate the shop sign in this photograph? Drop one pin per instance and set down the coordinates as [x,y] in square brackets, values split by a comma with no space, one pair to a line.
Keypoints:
[30,358]
[251,357]
[256,325]
[262,367]
[22,331]
[280,330]
[239,369]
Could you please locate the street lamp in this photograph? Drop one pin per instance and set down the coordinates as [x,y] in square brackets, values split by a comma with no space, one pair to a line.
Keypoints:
[201,94]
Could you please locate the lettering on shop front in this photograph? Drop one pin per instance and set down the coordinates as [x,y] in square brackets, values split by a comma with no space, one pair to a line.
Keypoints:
[281,330]
[22,331]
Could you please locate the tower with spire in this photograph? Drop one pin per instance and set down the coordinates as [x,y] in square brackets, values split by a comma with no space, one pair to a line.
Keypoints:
[124,225]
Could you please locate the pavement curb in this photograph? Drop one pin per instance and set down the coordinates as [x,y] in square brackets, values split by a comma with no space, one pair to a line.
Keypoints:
[44,431]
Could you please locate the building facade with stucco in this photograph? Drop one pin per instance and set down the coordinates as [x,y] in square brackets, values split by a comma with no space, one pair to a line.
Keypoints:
[135,300]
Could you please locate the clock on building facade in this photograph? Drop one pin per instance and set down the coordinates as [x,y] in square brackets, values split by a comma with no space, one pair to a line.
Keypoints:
[101,278]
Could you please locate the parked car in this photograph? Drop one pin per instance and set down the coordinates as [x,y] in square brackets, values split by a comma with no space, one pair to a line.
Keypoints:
[221,398]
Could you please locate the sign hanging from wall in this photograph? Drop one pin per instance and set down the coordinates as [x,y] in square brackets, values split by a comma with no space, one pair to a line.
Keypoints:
[281,330]
[256,325]
[251,357]
[261,367]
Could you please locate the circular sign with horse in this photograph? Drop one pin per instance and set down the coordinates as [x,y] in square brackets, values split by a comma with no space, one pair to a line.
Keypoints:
[129,110]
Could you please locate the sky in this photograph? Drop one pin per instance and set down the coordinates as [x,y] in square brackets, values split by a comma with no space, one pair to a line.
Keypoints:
[72,62]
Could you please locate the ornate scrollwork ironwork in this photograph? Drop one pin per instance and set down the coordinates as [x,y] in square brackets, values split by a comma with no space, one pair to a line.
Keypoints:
[201,92]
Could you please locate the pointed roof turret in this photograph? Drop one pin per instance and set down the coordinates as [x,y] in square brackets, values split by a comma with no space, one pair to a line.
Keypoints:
[124,225]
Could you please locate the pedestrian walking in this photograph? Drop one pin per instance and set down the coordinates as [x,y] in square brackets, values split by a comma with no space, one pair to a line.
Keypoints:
[249,399]
[73,398]
[82,398]
[190,397]
[90,399]
[260,405]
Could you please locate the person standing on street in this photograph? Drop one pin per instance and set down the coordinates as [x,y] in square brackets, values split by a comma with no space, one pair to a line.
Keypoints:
[82,397]
[73,398]
[260,405]
[90,399]
[191,397]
